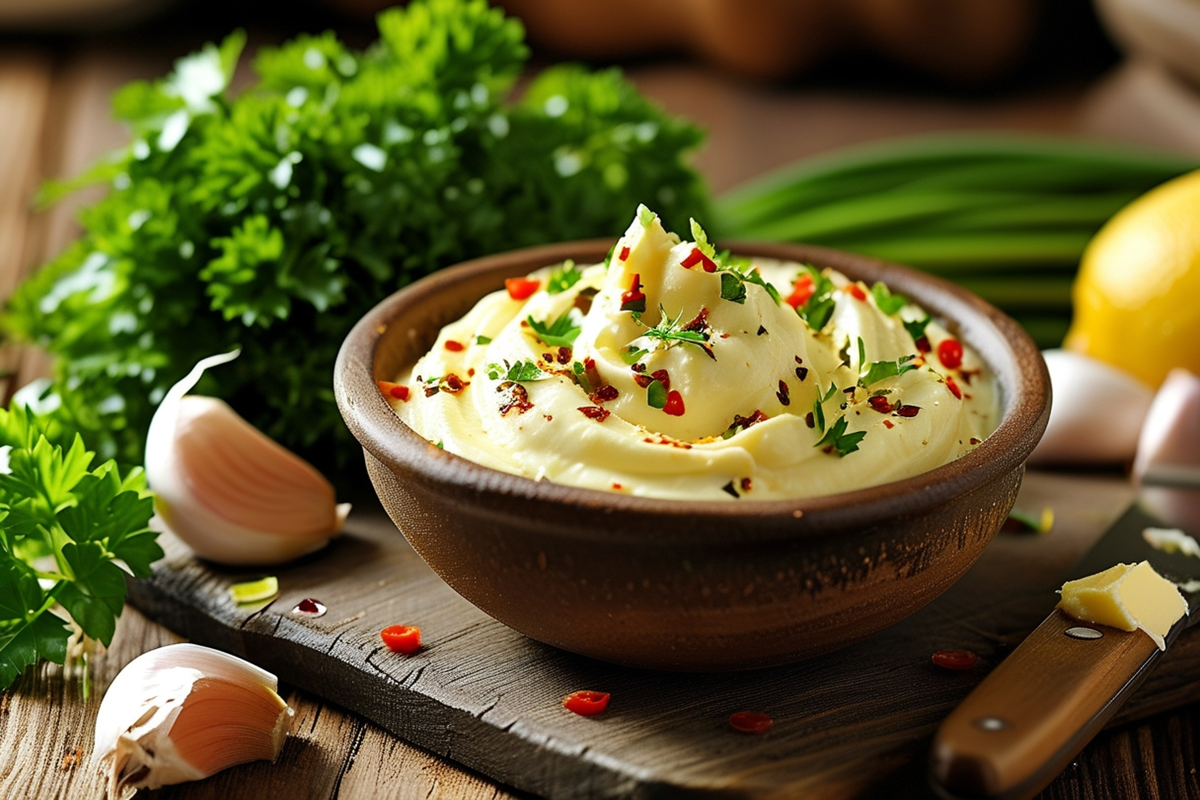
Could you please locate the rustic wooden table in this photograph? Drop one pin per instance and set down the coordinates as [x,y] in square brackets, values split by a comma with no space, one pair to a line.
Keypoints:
[54,112]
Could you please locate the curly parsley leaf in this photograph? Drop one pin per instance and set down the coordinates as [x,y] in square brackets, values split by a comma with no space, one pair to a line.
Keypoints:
[69,534]
[880,370]
[839,441]
[733,288]
[562,332]
[284,212]
[671,332]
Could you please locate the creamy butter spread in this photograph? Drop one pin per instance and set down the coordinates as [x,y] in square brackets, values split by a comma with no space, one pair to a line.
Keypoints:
[1128,597]
[671,371]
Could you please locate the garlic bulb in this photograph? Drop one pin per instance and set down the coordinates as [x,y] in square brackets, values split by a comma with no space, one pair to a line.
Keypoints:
[183,712]
[1169,447]
[227,490]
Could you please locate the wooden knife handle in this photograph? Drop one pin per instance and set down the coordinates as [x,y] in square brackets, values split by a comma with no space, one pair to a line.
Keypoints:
[1037,709]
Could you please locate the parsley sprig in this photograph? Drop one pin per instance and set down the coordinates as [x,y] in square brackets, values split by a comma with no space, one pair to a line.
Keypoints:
[69,534]
[521,372]
[564,277]
[671,332]
[818,309]
[735,273]
[841,442]
[880,370]
[561,332]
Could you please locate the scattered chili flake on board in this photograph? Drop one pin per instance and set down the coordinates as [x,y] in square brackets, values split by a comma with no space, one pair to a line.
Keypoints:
[954,659]
[404,639]
[310,607]
[855,291]
[396,390]
[521,288]
[950,353]
[586,703]
[750,722]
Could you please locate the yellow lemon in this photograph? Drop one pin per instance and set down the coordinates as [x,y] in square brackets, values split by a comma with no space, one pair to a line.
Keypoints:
[1137,295]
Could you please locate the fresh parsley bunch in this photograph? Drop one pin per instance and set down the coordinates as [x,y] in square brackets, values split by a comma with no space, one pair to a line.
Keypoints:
[274,219]
[66,530]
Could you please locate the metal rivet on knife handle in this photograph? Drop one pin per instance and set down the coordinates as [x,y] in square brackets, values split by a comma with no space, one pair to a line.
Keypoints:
[1080,632]
[990,724]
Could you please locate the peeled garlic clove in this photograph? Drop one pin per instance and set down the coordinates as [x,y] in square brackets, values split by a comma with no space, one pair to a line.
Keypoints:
[1169,447]
[228,491]
[1096,414]
[183,712]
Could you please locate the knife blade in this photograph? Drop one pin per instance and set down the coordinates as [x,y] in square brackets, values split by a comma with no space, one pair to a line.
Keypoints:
[1040,706]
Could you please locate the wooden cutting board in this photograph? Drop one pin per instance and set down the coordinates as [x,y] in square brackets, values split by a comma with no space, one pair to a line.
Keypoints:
[855,723]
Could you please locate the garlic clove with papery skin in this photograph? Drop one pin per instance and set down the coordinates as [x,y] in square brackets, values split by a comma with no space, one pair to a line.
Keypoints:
[183,712]
[228,491]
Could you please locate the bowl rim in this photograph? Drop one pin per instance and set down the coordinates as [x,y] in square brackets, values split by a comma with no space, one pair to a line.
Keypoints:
[1017,365]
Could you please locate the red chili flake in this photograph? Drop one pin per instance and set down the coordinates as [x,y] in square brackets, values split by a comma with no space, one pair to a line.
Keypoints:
[563,356]
[662,377]
[954,659]
[922,343]
[624,254]
[887,423]
[452,384]
[430,391]
[855,291]
[696,257]
[310,607]
[604,394]
[880,404]
[809,421]
[548,358]
[453,346]
[471,372]
[595,412]
[953,387]
[638,367]
[585,703]
[513,395]
[699,323]
[641,380]
[617,487]
[396,390]
[521,288]
[782,394]
[907,411]
[746,484]
[634,299]
[674,405]
[404,639]
[950,353]
[973,440]
[750,722]
[802,291]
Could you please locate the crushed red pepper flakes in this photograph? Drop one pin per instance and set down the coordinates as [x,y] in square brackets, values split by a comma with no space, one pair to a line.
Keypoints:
[954,659]
[634,299]
[887,423]
[595,412]
[396,390]
[950,353]
[922,343]
[405,639]
[907,411]
[855,291]
[746,484]
[453,346]
[624,253]
[953,387]
[674,405]
[880,403]
[782,395]
[696,257]
[586,703]
[802,291]
[750,722]
[521,288]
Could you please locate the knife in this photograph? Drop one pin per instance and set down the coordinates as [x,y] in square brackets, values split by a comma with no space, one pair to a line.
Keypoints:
[1042,704]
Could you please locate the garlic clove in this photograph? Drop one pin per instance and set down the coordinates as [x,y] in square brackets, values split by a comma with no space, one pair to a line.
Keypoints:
[1169,448]
[184,712]
[228,491]
[1096,415]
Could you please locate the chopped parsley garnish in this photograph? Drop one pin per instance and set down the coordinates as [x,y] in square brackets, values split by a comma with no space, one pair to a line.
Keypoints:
[632,353]
[916,328]
[521,372]
[645,216]
[559,333]
[818,412]
[564,277]
[656,395]
[862,352]
[879,370]
[702,242]
[670,331]
[818,309]
[733,288]
[841,442]
[483,340]
[888,303]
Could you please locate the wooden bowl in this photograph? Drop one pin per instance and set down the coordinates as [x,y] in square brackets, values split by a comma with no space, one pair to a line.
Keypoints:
[678,585]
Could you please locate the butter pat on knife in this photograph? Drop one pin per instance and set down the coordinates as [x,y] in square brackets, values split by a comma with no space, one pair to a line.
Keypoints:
[1128,597]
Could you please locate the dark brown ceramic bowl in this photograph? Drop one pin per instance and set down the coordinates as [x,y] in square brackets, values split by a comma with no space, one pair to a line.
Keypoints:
[680,585]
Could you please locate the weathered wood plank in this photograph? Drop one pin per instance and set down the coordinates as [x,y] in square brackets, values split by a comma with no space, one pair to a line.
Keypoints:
[480,694]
